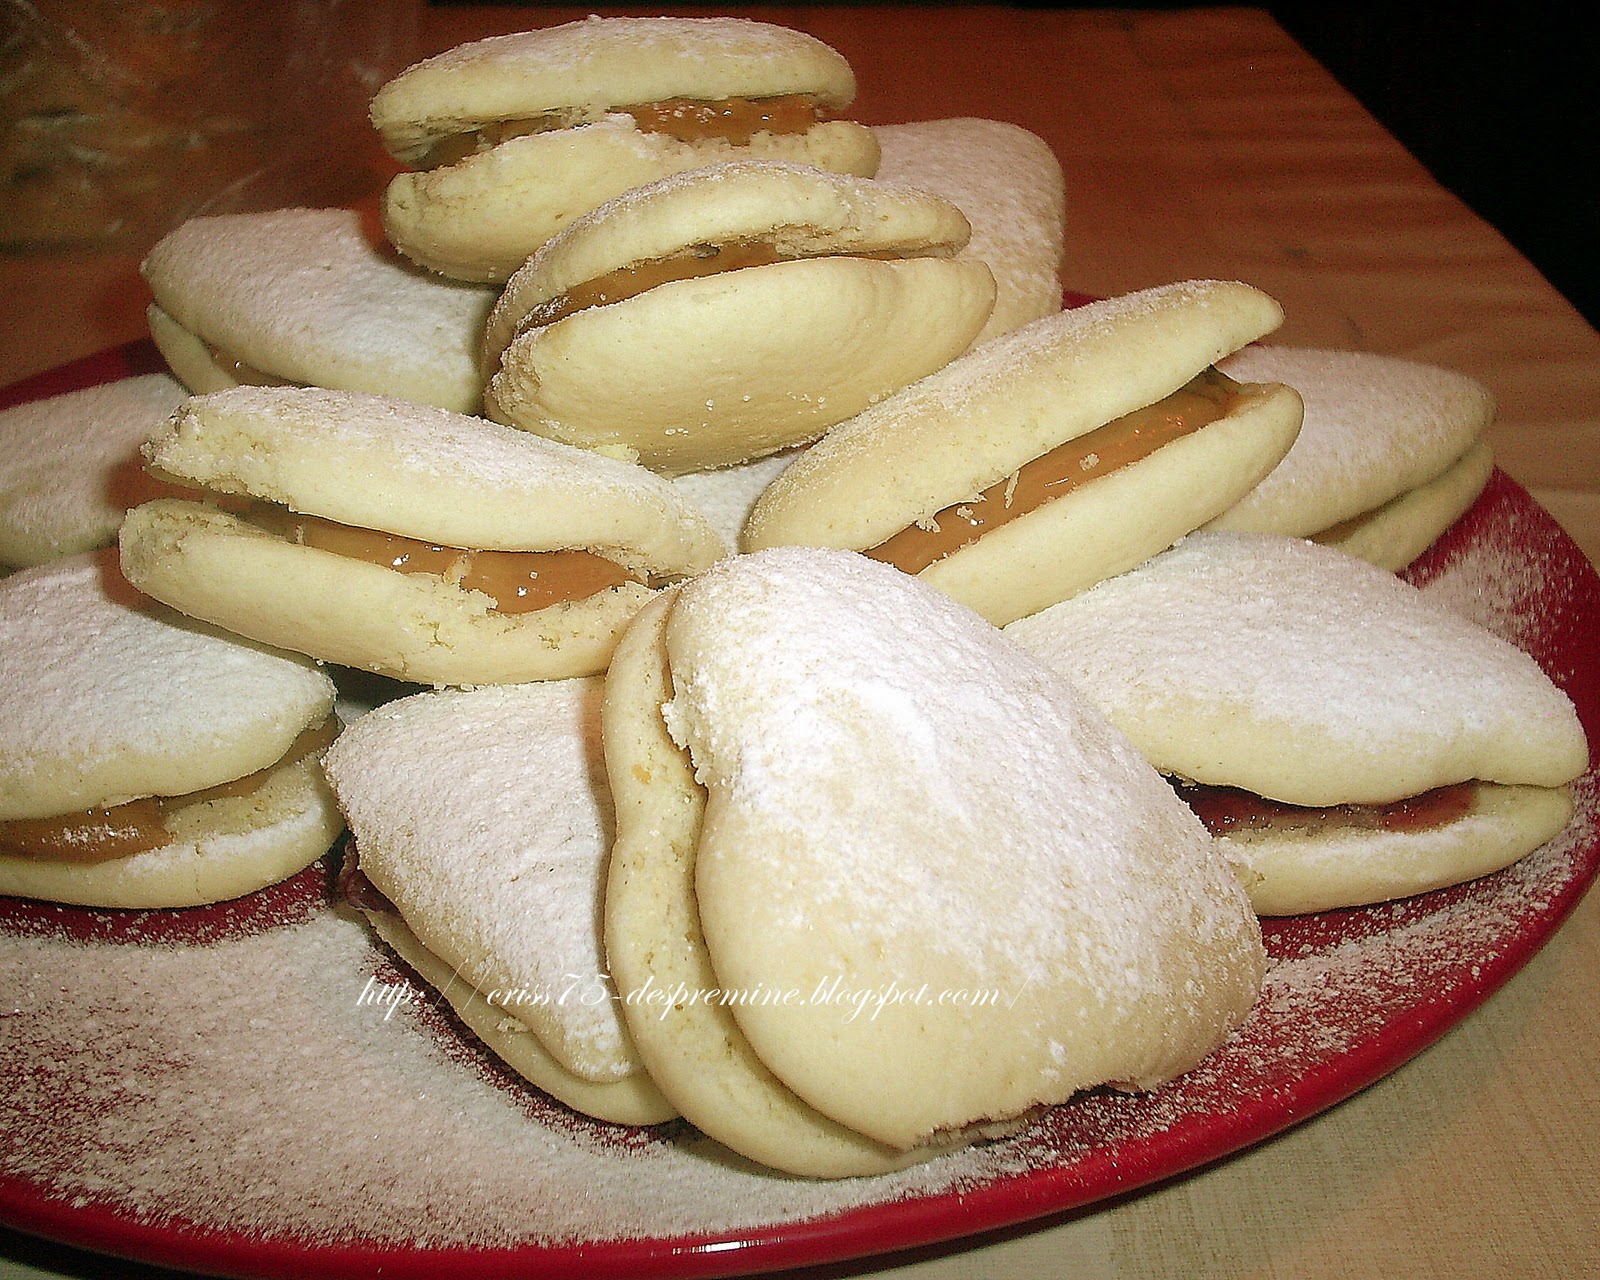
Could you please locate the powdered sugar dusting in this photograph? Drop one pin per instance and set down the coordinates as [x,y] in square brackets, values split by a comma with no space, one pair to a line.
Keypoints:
[252,1089]
[1235,657]
[236,1081]
[499,860]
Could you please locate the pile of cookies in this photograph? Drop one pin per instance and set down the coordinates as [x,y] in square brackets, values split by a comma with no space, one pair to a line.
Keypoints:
[870,702]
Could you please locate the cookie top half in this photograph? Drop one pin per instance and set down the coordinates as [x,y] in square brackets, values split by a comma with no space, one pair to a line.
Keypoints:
[110,696]
[589,66]
[380,463]
[1305,675]
[313,297]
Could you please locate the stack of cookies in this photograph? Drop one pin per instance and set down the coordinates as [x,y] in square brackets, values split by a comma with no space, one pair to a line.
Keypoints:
[869,703]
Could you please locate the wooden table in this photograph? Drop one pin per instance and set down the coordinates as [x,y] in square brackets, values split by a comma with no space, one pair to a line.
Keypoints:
[1204,142]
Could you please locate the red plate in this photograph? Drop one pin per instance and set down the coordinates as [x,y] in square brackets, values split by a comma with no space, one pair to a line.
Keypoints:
[150,1113]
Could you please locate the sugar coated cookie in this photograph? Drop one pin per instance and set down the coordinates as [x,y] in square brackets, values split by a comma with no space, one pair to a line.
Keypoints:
[146,761]
[312,297]
[758,303]
[1377,431]
[1009,184]
[1016,908]
[404,539]
[484,820]
[1303,675]
[516,135]
[1050,457]
[70,466]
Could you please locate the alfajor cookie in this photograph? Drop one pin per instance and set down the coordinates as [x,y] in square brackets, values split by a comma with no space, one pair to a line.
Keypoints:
[311,297]
[70,466]
[1391,452]
[1009,185]
[482,825]
[146,761]
[514,136]
[1401,747]
[1051,457]
[726,313]
[833,978]
[403,539]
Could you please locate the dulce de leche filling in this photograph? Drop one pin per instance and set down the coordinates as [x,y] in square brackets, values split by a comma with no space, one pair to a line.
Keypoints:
[517,581]
[1120,443]
[733,120]
[639,277]
[1224,810]
[692,264]
[100,833]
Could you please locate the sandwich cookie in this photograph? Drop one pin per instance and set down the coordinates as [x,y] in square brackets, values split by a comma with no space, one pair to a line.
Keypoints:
[1051,457]
[311,297]
[403,539]
[70,466]
[726,313]
[482,822]
[513,137]
[146,761]
[832,978]
[1389,456]
[1348,740]
[1009,184]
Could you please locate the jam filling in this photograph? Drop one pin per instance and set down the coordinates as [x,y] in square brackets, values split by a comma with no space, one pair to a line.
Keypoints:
[734,120]
[101,833]
[352,887]
[1120,443]
[1225,810]
[517,581]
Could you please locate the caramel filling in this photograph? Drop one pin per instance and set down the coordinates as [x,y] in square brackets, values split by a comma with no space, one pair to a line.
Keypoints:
[734,120]
[693,264]
[1119,443]
[517,581]
[638,277]
[100,834]
[1225,810]
[246,375]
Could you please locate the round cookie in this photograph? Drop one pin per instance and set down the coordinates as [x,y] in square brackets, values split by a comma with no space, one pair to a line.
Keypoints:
[311,297]
[1376,428]
[1051,457]
[494,870]
[1013,848]
[1303,675]
[70,466]
[1009,184]
[519,134]
[146,761]
[758,303]
[342,487]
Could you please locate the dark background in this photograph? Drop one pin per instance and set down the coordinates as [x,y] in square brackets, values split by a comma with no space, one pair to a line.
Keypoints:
[1501,103]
